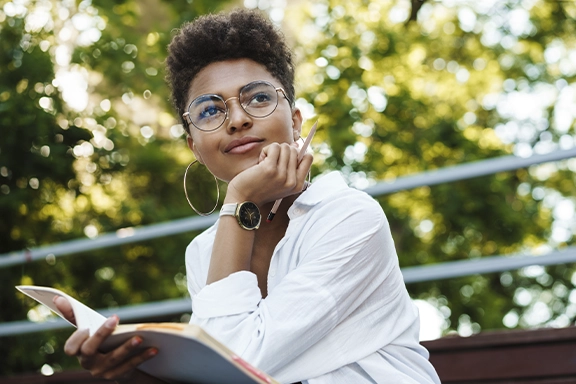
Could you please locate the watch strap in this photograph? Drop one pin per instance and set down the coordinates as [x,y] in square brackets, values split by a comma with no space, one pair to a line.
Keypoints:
[229,209]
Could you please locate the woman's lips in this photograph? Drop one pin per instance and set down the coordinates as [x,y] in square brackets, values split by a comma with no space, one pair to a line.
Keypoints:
[243,145]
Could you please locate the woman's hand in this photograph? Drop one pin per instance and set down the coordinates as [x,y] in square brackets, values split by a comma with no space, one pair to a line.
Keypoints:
[278,174]
[118,364]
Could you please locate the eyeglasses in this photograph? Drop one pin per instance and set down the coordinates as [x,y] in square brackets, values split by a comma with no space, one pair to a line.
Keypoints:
[208,112]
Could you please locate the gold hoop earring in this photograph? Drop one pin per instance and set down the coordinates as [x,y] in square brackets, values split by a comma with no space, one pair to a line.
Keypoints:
[186,192]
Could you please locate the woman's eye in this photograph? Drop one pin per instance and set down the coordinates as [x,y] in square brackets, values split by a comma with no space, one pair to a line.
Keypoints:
[208,112]
[260,98]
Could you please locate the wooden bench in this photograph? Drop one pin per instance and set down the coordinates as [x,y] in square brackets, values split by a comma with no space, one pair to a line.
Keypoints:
[515,356]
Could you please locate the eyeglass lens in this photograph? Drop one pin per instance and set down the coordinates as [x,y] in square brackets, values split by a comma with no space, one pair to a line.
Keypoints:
[258,99]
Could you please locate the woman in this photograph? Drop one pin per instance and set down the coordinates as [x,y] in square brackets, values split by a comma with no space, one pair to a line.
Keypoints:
[316,295]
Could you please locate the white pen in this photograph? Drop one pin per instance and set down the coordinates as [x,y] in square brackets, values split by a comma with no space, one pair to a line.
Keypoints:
[300,156]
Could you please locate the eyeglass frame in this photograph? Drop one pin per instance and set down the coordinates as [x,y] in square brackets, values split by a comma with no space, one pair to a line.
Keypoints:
[186,115]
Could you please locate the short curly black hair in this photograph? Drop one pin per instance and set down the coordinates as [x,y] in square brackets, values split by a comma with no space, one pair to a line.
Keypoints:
[225,36]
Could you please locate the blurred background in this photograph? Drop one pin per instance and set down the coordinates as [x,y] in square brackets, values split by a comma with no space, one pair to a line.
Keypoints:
[89,144]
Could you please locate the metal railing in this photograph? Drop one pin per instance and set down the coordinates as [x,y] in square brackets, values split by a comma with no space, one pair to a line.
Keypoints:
[411,274]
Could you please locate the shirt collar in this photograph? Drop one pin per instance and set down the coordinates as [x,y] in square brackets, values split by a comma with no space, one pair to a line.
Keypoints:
[323,186]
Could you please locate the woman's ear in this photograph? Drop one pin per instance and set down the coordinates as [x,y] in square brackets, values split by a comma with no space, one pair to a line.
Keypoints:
[296,123]
[193,148]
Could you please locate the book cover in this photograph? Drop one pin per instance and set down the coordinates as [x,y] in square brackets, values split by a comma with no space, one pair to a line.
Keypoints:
[187,353]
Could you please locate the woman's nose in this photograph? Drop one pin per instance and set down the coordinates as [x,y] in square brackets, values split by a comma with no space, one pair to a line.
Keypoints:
[237,116]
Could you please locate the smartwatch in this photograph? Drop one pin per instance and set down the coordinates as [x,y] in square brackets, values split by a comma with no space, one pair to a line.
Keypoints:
[247,214]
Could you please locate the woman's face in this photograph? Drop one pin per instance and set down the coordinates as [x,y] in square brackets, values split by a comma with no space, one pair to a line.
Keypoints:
[236,145]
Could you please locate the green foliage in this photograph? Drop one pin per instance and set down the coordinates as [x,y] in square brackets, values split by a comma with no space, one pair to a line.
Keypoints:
[34,149]
[396,99]
[35,161]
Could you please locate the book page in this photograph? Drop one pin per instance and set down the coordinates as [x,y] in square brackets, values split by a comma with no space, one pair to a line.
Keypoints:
[86,317]
[187,353]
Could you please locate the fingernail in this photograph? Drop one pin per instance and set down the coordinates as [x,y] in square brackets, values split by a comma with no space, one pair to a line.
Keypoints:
[111,322]
[153,352]
[136,341]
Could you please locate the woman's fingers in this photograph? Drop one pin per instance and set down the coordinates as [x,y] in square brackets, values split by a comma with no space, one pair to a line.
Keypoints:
[285,167]
[303,170]
[65,308]
[127,366]
[283,163]
[277,175]
[75,341]
[90,346]
[119,356]
[119,362]
[304,166]
[292,167]
[270,153]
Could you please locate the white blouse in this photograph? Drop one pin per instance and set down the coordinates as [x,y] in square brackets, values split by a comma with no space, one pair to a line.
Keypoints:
[337,309]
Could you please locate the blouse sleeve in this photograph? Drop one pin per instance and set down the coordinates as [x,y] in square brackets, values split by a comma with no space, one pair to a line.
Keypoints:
[192,272]
[346,266]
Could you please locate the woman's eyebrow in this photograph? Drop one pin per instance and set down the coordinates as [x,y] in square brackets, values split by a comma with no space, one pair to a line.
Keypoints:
[252,83]
[204,97]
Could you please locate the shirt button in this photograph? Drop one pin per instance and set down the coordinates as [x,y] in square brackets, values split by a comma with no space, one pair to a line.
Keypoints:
[272,272]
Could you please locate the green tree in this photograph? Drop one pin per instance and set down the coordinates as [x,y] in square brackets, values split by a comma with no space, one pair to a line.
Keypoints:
[108,156]
[35,159]
[395,98]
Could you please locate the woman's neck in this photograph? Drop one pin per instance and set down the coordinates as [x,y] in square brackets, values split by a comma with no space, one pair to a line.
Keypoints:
[281,220]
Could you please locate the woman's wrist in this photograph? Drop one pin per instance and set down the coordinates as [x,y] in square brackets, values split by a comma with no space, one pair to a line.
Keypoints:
[239,192]
[233,195]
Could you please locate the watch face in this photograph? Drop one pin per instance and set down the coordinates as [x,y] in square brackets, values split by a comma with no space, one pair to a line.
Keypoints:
[249,215]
